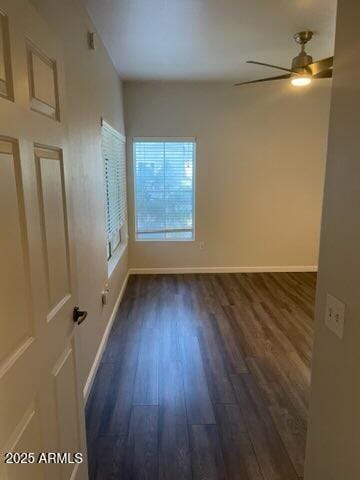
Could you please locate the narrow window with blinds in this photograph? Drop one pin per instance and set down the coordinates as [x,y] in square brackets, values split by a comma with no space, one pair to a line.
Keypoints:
[164,175]
[114,157]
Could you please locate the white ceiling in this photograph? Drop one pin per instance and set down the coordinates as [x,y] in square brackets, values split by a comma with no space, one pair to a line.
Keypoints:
[208,39]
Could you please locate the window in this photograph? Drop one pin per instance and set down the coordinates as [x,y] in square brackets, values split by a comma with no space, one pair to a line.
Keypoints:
[164,174]
[114,156]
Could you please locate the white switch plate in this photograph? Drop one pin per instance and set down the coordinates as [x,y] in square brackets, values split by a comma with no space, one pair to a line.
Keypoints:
[335,315]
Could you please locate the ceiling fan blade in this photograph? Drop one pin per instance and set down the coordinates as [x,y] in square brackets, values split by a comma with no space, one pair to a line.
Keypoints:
[323,74]
[324,64]
[280,77]
[271,66]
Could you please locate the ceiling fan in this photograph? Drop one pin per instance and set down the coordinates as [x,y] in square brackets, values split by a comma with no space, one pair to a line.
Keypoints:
[303,70]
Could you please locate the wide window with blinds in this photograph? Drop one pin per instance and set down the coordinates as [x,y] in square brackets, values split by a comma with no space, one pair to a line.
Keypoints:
[164,175]
[114,157]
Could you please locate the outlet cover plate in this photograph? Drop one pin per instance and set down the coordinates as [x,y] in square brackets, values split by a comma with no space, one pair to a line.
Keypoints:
[335,315]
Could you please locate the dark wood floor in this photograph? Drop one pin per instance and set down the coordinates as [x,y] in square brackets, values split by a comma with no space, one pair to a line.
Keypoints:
[205,377]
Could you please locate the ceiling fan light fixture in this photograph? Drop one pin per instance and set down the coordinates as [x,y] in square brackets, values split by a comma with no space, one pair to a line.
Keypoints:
[301,80]
[303,69]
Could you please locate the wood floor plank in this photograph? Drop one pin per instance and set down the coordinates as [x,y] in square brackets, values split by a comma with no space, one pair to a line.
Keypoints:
[174,450]
[208,462]
[198,403]
[120,395]
[109,459]
[221,325]
[216,367]
[141,460]
[287,417]
[187,319]
[146,391]
[96,409]
[272,456]
[239,455]
[127,328]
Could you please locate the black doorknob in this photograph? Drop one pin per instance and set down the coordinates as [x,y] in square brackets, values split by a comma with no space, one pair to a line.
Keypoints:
[79,315]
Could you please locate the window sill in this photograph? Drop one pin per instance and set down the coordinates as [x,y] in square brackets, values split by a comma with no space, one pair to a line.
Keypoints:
[116,257]
[162,240]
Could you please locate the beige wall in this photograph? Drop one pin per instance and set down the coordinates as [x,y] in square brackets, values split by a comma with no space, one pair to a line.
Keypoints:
[260,165]
[93,90]
[333,451]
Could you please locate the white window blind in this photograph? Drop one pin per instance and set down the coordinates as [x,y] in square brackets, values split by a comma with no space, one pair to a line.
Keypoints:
[164,174]
[114,156]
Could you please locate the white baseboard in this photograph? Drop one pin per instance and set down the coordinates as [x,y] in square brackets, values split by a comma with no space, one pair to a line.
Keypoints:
[297,268]
[95,365]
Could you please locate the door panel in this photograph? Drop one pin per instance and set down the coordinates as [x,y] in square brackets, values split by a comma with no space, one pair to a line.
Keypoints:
[41,405]
[6,88]
[3,19]
[26,438]
[16,326]
[43,82]
[52,202]
[66,407]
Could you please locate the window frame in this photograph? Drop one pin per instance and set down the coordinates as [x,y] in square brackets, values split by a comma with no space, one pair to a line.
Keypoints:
[166,140]
[114,252]
[114,242]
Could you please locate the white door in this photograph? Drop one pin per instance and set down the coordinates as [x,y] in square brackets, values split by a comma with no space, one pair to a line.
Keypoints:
[40,403]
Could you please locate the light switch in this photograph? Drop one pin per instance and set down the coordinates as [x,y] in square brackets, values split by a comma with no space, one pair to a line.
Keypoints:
[335,315]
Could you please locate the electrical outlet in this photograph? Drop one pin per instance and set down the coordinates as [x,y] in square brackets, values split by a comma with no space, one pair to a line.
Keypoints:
[104,294]
[335,315]
[92,40]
